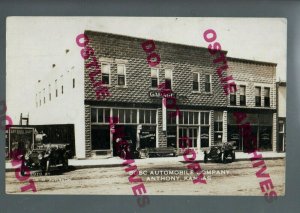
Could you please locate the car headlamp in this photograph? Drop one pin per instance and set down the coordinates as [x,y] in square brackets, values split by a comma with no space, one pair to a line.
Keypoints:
[40,156]
[26,156]
[218,151]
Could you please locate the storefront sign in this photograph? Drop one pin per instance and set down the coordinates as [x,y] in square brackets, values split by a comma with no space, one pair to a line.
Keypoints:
[158,94]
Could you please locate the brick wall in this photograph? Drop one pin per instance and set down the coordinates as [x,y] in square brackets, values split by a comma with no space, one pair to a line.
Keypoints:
[183,59]
[88,143]
[251,74]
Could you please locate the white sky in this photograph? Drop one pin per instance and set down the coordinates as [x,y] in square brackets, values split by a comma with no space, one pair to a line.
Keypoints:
[35,43]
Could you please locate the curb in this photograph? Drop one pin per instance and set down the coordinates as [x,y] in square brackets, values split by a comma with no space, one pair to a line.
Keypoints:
[120,165]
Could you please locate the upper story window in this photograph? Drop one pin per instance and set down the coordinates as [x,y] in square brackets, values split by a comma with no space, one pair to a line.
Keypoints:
[196,81]
[232,97]
[267,96]
[258,96]
[168,78]
[105,73]
[62,89]
[121,69]
[207,83]
[73,82]
[242,95]
[154,77]
[49,89]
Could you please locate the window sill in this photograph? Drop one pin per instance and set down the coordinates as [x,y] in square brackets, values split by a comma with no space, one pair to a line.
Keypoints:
[196,92]
[119,86]
[207,93]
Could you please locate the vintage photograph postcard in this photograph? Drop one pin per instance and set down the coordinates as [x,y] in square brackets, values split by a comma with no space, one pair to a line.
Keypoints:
[146,106]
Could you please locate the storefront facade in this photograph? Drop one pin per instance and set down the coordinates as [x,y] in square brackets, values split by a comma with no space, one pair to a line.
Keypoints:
[205,112]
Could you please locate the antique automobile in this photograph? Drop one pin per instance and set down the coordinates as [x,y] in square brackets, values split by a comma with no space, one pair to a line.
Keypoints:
[160,151]
[220,152]
[127,149]
[46,156]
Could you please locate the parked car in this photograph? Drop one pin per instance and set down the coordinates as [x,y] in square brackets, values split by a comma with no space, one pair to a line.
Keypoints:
[44,157]
[127,150]
[220,152]
[159,152]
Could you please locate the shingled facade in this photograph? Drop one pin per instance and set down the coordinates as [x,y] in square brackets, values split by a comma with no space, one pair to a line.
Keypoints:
[206,113]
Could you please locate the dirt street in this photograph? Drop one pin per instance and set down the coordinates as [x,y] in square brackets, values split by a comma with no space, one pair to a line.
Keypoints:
[236,178]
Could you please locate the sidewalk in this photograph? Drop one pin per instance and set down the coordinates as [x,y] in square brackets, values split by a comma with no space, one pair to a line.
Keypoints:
[116,161]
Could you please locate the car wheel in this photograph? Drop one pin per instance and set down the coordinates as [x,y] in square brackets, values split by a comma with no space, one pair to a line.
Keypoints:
[224,158]
[123,154]
[45,167]
[205,158]
[66,164]
[233,156]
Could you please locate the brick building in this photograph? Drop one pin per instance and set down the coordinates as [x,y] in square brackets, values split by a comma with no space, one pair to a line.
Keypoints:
[206,113]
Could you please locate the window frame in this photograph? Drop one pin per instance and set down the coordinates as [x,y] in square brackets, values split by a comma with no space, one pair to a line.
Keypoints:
[265,88]
[256,97]
[125,77]
[210,84]
[198,82]
[245,87]
[157,77]
[109,74]
[171,79]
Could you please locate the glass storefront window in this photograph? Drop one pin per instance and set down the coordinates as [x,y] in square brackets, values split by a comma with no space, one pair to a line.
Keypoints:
[142,116]
[121,115]
[100,116]
[134,114]
[153,116]
[204,137]
[94,115]
[147,116]
[127,115]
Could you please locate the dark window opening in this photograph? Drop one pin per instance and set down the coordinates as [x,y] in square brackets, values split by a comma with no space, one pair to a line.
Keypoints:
[207,83]
[232,99]
[121,80]
[105,78]
[195,81]
[257,96]
[243,95]
[267,97]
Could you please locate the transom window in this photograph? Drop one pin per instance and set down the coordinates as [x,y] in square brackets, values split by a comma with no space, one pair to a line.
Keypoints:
[100,115]
[204,117]
[126,115]
[189,117]
[148,116]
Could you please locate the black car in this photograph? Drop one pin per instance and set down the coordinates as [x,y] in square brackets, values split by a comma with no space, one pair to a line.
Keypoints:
[46,156]
[220,152]
[127,149]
